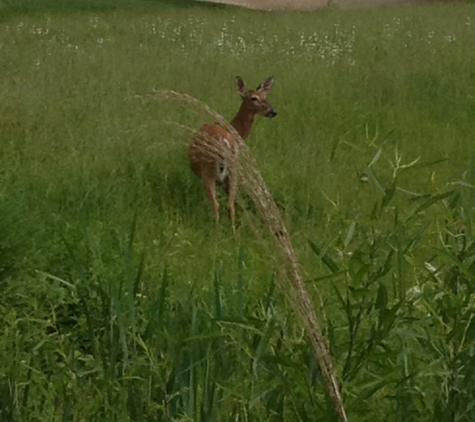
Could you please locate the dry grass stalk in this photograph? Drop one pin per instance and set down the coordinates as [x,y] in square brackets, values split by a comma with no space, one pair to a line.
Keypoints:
[254,185]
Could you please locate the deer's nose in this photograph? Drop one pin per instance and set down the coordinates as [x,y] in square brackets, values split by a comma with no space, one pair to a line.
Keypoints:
[271,113]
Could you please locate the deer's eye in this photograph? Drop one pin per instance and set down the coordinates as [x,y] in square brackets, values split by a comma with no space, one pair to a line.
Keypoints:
[254,99]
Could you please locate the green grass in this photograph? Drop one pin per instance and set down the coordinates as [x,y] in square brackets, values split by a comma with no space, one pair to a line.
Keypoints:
[121,300]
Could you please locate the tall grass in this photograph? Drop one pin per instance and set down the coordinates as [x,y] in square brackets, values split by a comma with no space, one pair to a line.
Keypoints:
[120,299]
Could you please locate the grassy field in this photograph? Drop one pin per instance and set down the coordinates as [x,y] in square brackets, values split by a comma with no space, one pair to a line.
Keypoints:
[120,300]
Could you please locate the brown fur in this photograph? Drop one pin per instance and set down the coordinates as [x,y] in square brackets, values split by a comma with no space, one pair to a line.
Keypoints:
[213,151]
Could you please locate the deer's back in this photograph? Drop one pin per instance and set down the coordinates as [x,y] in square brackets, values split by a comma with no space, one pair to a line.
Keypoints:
[212,146]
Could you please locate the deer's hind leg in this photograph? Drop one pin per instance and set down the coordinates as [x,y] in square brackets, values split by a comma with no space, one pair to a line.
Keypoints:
[209,180]
[231,190]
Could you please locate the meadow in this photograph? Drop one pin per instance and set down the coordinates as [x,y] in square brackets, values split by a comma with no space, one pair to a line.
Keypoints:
[121,300]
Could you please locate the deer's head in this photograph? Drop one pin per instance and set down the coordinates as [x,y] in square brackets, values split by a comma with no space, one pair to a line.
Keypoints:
[255,101]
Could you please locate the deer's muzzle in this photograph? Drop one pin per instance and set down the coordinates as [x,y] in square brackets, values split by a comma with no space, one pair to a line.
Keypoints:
[271,113]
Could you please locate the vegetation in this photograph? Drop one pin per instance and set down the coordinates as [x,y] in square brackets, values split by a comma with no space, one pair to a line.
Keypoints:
[120,298]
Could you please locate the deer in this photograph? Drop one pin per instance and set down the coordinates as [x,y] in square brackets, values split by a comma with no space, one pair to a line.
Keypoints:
[213,152]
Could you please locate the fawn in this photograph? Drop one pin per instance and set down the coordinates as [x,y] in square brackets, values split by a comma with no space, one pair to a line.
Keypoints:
[214,150]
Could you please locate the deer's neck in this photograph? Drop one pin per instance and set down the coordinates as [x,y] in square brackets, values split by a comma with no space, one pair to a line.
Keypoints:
[243,122]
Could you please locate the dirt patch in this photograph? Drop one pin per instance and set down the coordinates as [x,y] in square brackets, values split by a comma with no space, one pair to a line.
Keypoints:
[316,4]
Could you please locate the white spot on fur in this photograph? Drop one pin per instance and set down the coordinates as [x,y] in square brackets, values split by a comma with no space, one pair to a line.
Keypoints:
[222,169]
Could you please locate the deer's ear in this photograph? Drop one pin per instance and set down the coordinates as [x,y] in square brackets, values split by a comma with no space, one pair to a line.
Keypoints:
[266,85]
[241,86]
